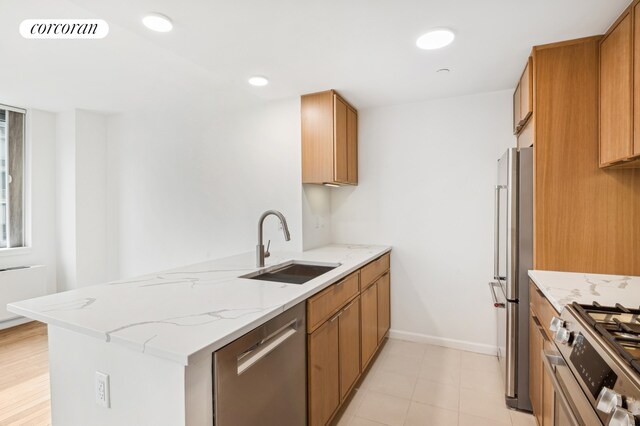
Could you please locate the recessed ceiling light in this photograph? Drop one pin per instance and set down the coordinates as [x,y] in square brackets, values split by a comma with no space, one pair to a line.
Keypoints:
[435,39]
[258,80]
[157,22]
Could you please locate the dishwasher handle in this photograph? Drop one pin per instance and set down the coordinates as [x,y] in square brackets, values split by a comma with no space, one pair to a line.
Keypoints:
[264,347]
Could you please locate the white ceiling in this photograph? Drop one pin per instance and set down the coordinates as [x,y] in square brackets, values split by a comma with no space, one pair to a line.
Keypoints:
[363,48]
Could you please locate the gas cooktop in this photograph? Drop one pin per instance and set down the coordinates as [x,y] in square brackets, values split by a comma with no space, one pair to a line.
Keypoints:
[620,327]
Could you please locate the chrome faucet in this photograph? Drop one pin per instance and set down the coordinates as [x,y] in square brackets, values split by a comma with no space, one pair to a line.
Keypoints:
[261,253]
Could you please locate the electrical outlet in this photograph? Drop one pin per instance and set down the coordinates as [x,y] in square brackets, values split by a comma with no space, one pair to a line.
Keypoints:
[103,398]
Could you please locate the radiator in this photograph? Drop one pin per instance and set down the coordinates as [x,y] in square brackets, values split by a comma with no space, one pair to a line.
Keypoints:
[24,282]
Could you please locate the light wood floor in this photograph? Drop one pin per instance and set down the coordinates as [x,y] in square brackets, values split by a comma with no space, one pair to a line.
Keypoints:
[24,376]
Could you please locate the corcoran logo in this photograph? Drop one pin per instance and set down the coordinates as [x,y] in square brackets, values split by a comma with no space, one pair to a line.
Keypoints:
[64,28]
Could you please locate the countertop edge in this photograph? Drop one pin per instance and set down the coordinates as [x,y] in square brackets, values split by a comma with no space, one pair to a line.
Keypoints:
[545,291]
[213,346]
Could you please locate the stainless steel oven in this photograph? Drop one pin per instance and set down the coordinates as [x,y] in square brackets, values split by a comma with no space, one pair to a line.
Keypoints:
[570,405]
[594,373]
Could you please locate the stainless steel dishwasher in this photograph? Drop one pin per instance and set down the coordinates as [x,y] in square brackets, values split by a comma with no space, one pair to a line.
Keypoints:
[261,378]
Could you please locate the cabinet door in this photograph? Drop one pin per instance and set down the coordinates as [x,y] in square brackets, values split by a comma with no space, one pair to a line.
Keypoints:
[548,394]
[616,128]
[526,94]
[516,110]
[384,309]
[349,347]
[636,81]
[369,318]
[340,149]
[324,387]
[535,367]
[352,146]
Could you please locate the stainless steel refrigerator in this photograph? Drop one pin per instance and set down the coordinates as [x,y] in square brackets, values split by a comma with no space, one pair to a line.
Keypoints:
[513,257]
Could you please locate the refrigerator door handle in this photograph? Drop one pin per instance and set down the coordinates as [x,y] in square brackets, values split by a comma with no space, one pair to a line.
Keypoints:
[496,233]
[496,304]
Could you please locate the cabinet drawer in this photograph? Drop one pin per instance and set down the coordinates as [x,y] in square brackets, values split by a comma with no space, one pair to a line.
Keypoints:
[541,308]
[324,304]
[373,270]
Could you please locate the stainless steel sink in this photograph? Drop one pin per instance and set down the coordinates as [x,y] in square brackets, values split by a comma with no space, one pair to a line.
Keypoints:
[292,272]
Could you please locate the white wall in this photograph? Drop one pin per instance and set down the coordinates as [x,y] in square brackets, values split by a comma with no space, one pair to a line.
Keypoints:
[65,200]
[91,198]
[184,186]
[316,216]
[81,184]
[427,172]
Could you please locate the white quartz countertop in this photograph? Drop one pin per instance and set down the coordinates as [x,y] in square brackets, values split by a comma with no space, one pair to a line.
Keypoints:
[564,288]
[197,309]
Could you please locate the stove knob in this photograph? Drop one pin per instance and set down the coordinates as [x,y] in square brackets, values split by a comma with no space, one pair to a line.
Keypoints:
[563,335]
[608,400]
[622,417]
[556,323]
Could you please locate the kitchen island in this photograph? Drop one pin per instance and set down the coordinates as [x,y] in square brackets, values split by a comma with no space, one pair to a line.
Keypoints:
[154,334]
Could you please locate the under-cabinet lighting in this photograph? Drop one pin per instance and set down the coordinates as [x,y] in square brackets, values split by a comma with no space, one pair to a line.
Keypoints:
[332,185]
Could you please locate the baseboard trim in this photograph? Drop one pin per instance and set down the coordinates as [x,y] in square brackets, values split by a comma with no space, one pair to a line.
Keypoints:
[13,322]
[463,345]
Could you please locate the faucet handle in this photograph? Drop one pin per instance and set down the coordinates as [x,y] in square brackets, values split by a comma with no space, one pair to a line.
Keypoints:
[266,251]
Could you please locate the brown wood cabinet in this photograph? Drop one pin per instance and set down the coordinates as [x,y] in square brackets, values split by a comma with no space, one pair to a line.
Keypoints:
[346,328]
[536,341]
[616,92]
[323,373]
[384,306]
[584,217]
[540,386]
[329,139]
[349,346]
[620,91]
[523,99]
[369,327]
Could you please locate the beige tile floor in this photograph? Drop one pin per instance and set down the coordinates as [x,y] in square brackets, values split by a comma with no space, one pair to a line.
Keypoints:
[416,384]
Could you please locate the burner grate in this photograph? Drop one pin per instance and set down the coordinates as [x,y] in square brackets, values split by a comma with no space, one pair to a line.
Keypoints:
[619,325]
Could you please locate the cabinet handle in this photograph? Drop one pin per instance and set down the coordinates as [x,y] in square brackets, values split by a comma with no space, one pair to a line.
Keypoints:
[335,317]
[348,306]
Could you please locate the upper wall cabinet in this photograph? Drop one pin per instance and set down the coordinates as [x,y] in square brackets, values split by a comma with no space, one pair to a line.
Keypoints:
[523,99]
[620,91]
[329,139]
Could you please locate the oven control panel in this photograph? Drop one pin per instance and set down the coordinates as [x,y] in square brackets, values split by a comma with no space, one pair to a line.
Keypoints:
[593,370]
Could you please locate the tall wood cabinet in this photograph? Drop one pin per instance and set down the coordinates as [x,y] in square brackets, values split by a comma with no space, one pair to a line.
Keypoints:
[329,139]
[346,325]
[584,216]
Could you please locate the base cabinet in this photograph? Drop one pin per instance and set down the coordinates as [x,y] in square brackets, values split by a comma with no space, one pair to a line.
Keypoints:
[540,385]
[384,306]
[536,342]
[345,331]
[323,369]
[369,337]
[349,347]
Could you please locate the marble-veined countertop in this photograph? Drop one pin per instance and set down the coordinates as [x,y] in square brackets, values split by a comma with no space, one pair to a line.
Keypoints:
[564,288]
[183,312]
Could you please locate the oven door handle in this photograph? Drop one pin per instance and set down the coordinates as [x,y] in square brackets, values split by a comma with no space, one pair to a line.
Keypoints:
[549,359]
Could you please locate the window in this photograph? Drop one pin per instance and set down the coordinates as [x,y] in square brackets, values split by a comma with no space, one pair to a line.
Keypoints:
[12,129]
